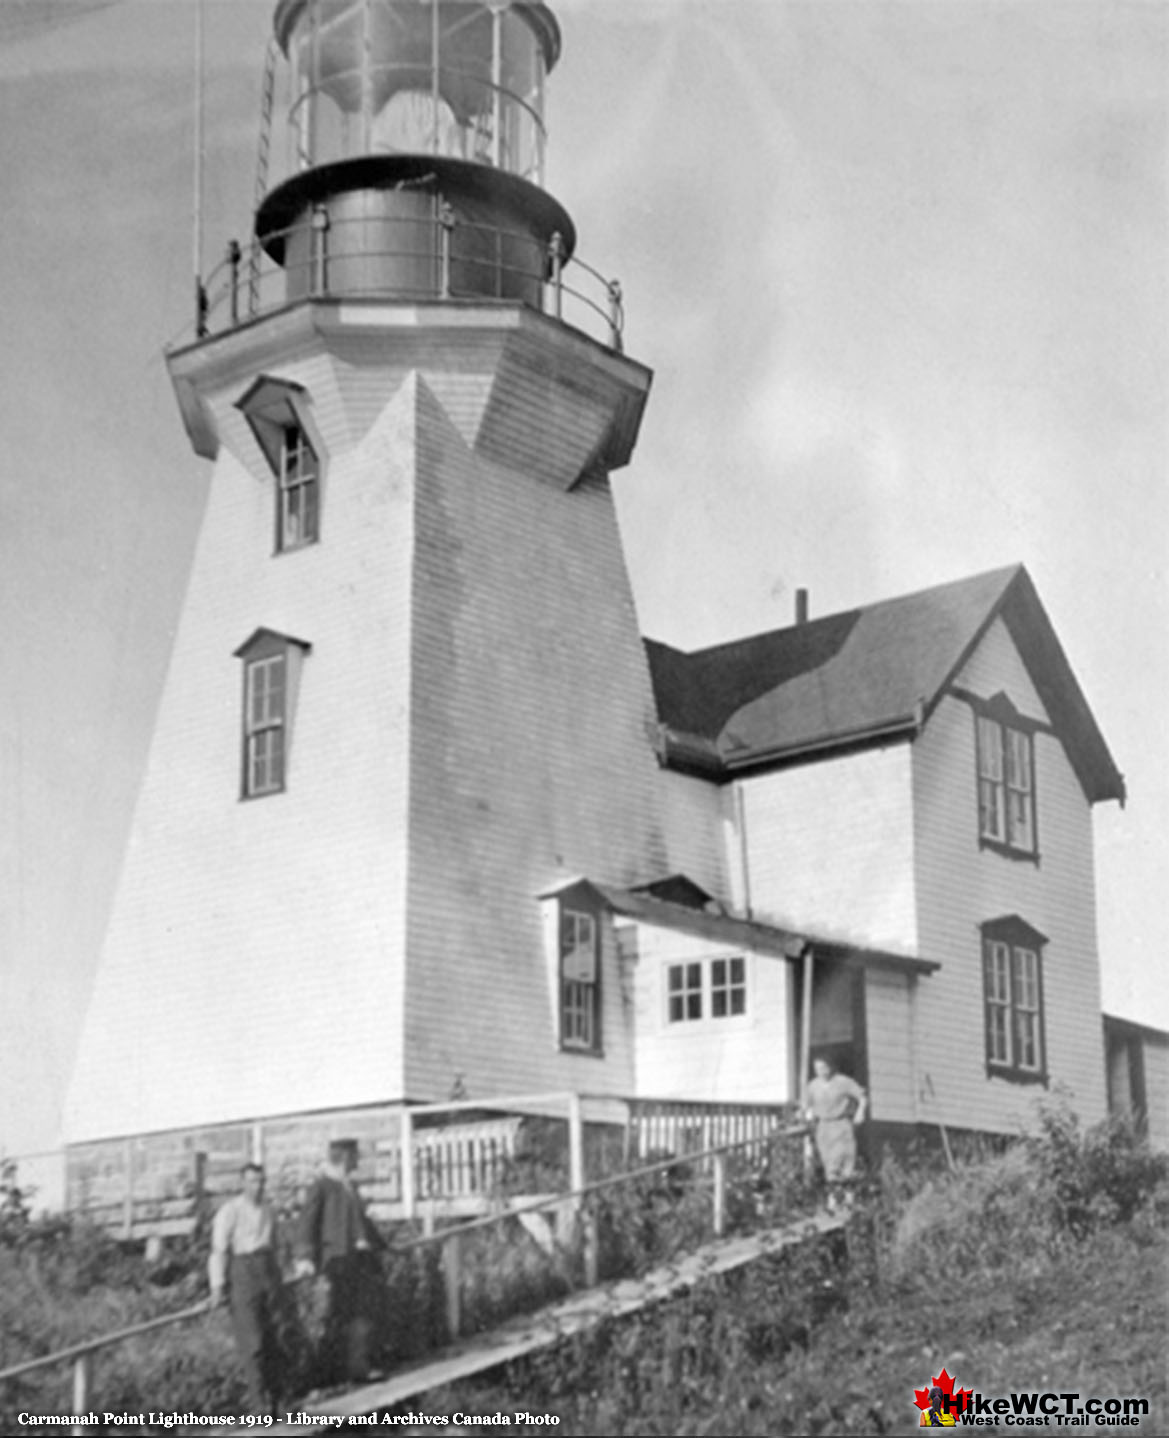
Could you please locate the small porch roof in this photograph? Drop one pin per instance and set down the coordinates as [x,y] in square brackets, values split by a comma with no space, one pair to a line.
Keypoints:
[712,922]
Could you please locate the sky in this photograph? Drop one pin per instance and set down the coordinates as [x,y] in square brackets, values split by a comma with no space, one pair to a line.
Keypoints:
[900,270]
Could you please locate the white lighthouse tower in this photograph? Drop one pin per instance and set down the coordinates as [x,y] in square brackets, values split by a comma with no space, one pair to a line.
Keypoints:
[408,695]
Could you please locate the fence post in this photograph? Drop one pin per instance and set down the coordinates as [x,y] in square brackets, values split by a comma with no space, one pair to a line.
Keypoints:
[450,1266]
[407,1165]
[576,1164]
[128,1199]
[591,1248]
[81,1387]
[720,1194]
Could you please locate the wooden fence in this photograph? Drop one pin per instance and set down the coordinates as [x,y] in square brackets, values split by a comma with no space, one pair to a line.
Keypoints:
[456,1158]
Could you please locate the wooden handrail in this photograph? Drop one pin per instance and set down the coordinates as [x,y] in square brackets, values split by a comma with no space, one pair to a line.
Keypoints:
[79,1350]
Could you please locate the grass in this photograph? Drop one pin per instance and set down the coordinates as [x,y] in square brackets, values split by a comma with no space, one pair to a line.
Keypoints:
[1043,1267]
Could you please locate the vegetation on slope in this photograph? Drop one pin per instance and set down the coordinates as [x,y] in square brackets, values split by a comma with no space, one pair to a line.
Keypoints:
[1039,1268]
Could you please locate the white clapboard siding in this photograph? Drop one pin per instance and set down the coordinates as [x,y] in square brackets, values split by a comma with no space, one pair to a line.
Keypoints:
[889,1041]
[531,762]
[695,815]
[830,847]
[740,1058]
[1156,1060]
[253,959]
[960,887]
[995,666]
[474,724]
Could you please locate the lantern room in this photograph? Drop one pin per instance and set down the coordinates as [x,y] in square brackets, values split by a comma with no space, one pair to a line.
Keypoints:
[456,78]
[415,150]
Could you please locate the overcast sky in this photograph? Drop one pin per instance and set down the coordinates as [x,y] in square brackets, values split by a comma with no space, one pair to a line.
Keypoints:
[900,271]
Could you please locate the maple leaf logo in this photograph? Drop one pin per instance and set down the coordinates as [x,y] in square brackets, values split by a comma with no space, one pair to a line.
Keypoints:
[958,1400]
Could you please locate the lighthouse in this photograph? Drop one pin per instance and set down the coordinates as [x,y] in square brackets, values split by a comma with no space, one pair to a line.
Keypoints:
[407,698]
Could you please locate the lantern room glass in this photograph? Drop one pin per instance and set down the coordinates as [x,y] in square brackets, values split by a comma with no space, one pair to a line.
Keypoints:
[453,78]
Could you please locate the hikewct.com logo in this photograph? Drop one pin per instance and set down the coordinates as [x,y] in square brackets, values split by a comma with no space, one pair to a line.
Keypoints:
[945,1406]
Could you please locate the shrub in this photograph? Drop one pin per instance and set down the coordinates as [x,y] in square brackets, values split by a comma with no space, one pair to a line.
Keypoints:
[1094,1178]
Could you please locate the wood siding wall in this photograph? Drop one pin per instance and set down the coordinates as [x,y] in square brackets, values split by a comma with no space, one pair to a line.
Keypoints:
[830,847]
[960,887]
[700,839]
[1156,1059]
[737,1059]
[253,959]
[892,1050]
[532,762]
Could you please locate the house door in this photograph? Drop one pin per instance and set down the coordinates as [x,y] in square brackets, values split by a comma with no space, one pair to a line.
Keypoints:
[838,1017]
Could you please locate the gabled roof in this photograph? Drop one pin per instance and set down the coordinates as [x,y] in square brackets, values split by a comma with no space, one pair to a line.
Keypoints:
[714,924]
[862,677]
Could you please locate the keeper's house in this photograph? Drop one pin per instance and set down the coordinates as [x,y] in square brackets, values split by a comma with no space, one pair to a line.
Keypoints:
[424,814]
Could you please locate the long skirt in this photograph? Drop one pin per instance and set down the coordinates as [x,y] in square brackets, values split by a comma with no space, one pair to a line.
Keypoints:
[836,1144]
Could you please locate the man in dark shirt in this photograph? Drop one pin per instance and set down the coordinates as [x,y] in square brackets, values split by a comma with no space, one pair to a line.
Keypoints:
[336,1239]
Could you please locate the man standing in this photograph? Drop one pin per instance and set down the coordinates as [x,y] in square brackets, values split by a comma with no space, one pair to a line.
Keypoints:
[835,1104]
[243,1265]
[336,1238]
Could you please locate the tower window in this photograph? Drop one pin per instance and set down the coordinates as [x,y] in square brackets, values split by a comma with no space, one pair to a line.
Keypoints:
[265,707]
[580,988]
[278,413]
[298,490]
[271,678]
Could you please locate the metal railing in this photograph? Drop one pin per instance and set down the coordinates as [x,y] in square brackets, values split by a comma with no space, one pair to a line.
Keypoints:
[410,258]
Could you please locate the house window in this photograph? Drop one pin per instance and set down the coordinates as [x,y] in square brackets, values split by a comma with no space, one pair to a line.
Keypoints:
[716,987]
[1006,785]
[684,992]
[580,989]
[271,673]
[728,987]
[279,415]
[1012,958]
[297,491]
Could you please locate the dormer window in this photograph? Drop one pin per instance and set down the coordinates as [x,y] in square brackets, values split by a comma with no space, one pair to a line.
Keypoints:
[1006,779]
[271,680]
[298,501]
[278,413]
[580,988]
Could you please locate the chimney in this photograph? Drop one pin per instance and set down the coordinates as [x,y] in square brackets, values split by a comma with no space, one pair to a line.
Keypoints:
[801,606]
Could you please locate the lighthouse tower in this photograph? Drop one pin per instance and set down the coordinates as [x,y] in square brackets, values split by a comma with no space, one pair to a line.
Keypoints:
[408,696]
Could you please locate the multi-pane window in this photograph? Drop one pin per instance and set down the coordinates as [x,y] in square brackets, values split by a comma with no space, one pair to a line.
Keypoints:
[264,718]
[684,992]
[279,413]
[1006,785]
[1013,995]
[707,987]
[728,987]
[580,990]
[272,666]
[298,486]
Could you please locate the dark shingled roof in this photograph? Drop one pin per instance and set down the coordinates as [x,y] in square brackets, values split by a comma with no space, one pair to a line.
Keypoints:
[865,676]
